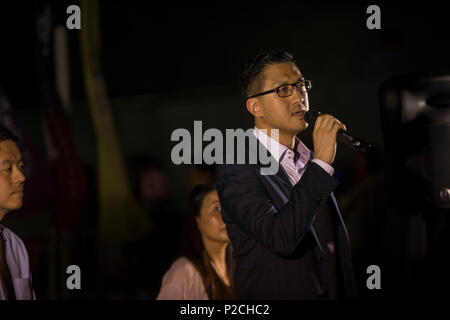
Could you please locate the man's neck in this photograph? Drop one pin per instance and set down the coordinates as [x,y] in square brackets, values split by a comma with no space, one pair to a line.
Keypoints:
[284,138]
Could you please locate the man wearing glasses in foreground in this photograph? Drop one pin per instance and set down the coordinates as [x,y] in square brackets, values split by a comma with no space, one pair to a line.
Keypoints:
[287,233]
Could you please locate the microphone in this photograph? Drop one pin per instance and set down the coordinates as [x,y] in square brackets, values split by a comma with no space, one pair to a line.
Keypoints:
[343,136]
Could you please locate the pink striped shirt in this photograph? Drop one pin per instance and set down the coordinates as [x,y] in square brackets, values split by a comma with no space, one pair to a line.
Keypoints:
[293,166]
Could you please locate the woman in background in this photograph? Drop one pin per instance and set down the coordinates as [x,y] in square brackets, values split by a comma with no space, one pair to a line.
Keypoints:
[205,269]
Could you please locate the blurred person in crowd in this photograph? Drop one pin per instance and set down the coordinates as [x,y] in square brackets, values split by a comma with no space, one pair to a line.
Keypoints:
[15,273]
[150,257]
[205,268]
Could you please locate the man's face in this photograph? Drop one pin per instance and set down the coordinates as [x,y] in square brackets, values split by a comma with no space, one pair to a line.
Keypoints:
[11,177]
[282,112]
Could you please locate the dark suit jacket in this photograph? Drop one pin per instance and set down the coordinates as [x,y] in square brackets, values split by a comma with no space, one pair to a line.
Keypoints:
[270,225]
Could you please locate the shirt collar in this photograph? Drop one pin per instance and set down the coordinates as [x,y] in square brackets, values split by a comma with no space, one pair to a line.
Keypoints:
[278,150]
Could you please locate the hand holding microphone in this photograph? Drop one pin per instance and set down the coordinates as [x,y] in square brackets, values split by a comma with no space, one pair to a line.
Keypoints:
[328,129]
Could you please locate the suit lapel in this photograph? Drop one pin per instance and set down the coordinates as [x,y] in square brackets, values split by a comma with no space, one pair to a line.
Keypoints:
[279,187]
[311,229]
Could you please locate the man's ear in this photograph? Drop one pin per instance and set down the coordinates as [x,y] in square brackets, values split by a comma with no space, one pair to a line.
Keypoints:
[254,107]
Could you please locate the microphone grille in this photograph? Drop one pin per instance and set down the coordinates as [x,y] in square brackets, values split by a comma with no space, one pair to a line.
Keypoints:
[311,116]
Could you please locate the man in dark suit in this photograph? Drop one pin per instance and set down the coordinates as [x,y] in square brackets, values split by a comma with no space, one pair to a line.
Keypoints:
[287,233]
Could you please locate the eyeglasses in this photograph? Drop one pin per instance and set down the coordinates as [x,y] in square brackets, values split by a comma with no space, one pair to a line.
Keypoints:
[287,90]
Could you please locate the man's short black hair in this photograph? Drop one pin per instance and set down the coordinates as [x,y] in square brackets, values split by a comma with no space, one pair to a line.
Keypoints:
[6,134]
[252,75]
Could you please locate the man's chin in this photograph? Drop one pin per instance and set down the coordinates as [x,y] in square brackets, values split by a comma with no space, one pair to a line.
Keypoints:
[299,127]
[16,206]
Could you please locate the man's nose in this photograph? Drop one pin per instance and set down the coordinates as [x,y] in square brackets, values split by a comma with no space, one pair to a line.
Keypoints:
[19,176]
[299,95]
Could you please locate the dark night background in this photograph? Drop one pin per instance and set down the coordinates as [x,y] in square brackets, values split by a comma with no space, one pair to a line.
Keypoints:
[168,65]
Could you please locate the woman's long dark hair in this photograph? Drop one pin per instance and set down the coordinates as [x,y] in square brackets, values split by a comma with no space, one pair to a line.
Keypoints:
[192,248]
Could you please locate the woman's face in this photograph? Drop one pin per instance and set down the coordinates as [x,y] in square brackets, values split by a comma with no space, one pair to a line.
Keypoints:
[210,221]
